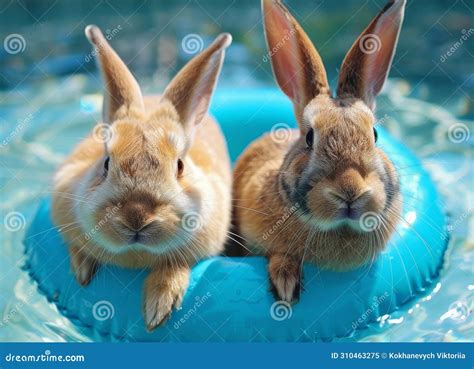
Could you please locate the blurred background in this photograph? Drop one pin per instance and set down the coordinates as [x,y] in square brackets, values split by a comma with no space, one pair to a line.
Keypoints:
[50,99]
[151,33]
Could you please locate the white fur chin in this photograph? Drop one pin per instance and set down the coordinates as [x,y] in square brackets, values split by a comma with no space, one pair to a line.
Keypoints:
[336,224]
[155,249]
[158,249]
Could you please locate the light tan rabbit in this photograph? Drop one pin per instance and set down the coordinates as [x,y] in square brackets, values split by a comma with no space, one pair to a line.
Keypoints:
[156,192]
[315,196]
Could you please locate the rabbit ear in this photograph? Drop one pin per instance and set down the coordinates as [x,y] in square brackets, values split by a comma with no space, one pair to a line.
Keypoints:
[297,66]
[365,67]
[121,88]
[191,89]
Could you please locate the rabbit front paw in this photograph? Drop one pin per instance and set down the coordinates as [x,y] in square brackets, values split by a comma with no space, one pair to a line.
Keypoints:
[83,266]
[285,278]
[163,292]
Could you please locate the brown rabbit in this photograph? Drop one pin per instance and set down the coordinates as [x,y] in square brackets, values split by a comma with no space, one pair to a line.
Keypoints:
[316,195]
[155,193]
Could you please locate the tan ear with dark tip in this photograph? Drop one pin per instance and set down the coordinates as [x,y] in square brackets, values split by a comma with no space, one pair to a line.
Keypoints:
[367,64]
[122,91]
[297,66]
[190,91]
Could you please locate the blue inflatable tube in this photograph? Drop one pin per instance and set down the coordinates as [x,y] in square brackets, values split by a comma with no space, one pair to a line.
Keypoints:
[228,298]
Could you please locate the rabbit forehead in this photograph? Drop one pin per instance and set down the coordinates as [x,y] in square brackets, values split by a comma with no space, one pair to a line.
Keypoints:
[160,139]
[324,112]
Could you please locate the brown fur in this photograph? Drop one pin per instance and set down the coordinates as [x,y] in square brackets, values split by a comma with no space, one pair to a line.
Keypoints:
[143,189]
[363,74]
[288,196]
[306,79]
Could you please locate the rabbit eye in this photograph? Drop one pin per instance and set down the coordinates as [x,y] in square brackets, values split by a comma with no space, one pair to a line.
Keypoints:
[106,165]
[180,167]
[376,135]
[310,138]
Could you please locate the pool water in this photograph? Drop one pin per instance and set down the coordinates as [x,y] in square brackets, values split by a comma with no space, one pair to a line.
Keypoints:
[50,99]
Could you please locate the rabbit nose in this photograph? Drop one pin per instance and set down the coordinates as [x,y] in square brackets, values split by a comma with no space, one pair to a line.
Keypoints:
[360,196]
[348,211]
[133,228]
[135,216]
[350,196]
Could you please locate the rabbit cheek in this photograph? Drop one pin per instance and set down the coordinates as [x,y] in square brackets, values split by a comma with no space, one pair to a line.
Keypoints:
[97,180]
[103,226]
[111,236]
[377,200]
[318,204]
[292,175]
